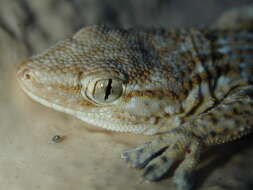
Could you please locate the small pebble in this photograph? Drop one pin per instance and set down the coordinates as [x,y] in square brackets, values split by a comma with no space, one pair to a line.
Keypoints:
[56,139]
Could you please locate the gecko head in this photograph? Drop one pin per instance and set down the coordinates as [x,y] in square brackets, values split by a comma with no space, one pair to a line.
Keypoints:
[101,76]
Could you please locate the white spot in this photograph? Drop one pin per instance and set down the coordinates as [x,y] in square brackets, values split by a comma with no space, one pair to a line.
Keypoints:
[170,109]
[152,120]
[224,50]
[200,68]
[222,41]
[49,88]
[194,93]
[191,99]
[150,131]
[204,88]
[223,80]
[177,121]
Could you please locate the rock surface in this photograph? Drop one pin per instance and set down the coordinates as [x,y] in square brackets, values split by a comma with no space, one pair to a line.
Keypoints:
[89,158]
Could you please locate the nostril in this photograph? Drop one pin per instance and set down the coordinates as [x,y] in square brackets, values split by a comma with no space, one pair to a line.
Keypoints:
[27,76]
[24,74]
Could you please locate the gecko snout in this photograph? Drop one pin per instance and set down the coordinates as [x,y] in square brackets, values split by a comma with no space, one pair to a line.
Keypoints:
[23,72]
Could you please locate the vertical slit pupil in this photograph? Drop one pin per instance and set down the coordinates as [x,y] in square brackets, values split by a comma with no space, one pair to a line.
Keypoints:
[108,89]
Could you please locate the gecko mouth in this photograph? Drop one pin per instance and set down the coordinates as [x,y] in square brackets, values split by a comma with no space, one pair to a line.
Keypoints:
[68,101]
[93,118]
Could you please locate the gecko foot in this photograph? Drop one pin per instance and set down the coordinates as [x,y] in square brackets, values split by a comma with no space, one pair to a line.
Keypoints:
[164,154]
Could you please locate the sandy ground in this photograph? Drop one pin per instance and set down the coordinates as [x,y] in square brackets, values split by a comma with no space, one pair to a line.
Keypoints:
[88,158]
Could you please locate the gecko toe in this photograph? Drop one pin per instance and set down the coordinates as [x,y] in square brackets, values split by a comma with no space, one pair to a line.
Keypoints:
[139,157]
[184,180]
[157,168]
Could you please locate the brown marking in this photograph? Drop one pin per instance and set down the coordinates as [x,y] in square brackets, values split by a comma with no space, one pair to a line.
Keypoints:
[67,87]
[156,93]
[187,84]
[235,111]
[204,76]
[196,79]
[183,94]
[157,120]
[196,60]
[86,103]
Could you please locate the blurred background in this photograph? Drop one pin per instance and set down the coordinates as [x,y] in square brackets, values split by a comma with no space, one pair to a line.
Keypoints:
[39,23]
[89,158]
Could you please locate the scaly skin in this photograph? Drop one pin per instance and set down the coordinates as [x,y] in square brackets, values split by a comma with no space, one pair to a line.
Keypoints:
[192,87]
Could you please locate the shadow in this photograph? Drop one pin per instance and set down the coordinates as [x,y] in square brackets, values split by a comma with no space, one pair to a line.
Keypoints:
[219,155]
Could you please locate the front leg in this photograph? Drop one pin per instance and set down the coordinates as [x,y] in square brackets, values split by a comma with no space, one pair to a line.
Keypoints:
[160,155]
[229,120]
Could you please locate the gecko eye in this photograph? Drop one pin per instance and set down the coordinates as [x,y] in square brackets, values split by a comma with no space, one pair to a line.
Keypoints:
[105,90]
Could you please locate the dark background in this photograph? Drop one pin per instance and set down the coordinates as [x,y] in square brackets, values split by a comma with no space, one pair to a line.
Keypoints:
[40,23]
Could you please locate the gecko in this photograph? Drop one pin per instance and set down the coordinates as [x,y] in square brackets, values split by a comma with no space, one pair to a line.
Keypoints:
[190,88]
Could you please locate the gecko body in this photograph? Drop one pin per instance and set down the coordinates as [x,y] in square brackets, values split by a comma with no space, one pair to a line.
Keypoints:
[192,87]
